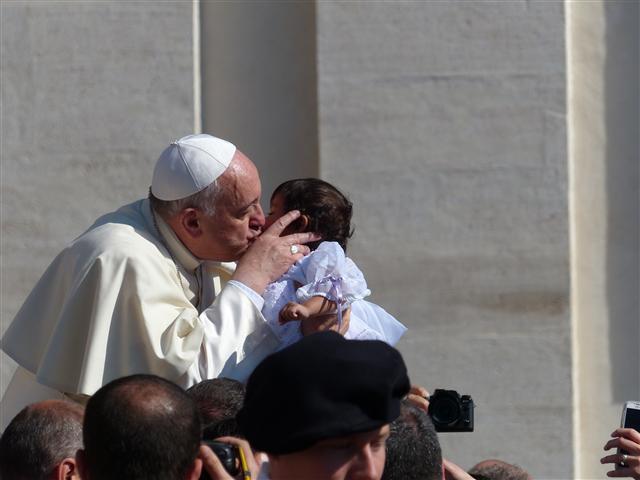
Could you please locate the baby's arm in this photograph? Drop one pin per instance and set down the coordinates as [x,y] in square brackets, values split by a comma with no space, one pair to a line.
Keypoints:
[316,315]
[316,305]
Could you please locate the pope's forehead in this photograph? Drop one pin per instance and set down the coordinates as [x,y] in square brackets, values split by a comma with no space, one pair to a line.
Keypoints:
[242,165]
[241,179]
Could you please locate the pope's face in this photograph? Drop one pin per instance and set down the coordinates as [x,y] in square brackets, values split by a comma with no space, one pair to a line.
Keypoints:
[238,218]
[359,456]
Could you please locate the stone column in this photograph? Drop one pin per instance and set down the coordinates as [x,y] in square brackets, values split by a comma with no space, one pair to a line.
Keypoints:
[605,206]
[446,122]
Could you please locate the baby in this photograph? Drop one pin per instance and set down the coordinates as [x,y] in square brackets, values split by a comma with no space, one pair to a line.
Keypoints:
[326,282]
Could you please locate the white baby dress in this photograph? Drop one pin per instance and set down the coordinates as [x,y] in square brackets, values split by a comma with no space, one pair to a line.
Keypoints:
[329,273]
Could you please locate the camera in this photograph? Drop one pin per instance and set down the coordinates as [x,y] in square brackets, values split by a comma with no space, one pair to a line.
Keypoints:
[450,411]
[228,455]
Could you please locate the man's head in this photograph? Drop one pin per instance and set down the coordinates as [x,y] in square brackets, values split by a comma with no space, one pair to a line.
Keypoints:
[498,470]
[356,456]
[413,449]
[209,193]
[41,442]
[218,401]
[324,405]
[140,427]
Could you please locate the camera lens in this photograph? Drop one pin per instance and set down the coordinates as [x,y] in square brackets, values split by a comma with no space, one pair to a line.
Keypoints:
[446,411]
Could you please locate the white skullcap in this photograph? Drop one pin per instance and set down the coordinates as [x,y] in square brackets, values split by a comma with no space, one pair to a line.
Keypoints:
[189,165]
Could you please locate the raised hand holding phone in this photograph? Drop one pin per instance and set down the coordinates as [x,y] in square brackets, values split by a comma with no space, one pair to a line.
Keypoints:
[626,440]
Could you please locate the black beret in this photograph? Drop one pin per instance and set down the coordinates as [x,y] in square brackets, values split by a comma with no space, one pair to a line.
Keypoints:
[321,387]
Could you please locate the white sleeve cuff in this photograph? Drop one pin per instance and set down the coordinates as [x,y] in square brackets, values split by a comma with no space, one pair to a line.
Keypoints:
[254,296]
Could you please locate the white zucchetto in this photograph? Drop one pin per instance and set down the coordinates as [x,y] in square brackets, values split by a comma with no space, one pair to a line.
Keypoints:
[189,165]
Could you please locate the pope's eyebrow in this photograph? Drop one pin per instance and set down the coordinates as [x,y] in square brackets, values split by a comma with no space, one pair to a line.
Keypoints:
[249,205]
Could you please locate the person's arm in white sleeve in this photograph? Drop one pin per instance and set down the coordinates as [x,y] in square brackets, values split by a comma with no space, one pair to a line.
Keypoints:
[233,316]
[237,337]
[254,296]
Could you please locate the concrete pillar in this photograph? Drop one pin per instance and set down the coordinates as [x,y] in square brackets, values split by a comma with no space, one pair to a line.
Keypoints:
[604,103]
[259,84]
[446,123]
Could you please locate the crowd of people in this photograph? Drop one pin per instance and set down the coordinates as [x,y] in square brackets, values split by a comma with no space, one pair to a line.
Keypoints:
[307,412]
[188,336]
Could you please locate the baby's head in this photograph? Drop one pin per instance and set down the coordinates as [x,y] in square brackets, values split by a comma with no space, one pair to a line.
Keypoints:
[325,210]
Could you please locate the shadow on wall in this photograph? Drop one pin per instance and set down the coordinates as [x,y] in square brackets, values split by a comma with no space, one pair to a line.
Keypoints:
[623,206]
[259,84]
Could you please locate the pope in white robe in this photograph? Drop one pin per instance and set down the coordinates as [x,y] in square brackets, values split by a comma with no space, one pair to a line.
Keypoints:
[128,296]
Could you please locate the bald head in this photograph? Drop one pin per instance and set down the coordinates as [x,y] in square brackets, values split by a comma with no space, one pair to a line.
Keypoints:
[140,427]
[40,438]
[493,469]
[240,171]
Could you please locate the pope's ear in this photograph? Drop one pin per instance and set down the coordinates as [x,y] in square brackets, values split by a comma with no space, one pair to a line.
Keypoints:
[190,221]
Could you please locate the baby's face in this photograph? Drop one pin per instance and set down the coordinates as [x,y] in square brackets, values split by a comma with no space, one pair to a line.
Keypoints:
[276,210]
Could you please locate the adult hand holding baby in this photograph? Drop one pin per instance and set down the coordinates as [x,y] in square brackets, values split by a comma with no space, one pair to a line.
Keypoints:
[270,255]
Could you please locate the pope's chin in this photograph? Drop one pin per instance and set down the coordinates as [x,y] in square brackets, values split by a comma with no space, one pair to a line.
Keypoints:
[244,249]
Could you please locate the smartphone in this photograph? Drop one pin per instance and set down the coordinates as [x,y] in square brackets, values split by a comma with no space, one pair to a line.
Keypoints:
[630,419]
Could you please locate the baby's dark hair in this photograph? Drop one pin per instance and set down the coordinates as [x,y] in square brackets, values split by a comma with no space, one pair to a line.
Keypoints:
[329,211]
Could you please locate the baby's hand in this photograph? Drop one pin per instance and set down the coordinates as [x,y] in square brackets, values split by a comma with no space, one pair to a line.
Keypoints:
[293,311]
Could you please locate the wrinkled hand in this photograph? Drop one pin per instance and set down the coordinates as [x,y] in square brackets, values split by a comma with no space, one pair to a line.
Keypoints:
[627,439]
[325,321]
[270,254]
[419,396]
[212,465]
[293,311]
[454,472]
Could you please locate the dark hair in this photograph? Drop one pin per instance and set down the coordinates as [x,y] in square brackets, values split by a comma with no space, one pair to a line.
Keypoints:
[140,427]
[39,438]
[498,470]
[222,428]
[413,450]
[218,401]
[329,211]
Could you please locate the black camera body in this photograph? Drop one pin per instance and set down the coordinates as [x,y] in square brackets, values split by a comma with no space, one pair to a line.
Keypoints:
[228,456]
[450,411]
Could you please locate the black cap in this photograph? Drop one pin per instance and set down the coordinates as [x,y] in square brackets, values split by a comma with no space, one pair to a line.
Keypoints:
[321,387]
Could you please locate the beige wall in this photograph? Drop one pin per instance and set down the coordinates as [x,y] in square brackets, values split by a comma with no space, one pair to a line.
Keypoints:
[91,93]
[446,122]
[605,208]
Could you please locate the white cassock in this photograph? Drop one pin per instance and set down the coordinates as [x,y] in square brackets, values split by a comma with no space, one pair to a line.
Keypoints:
[128,297]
